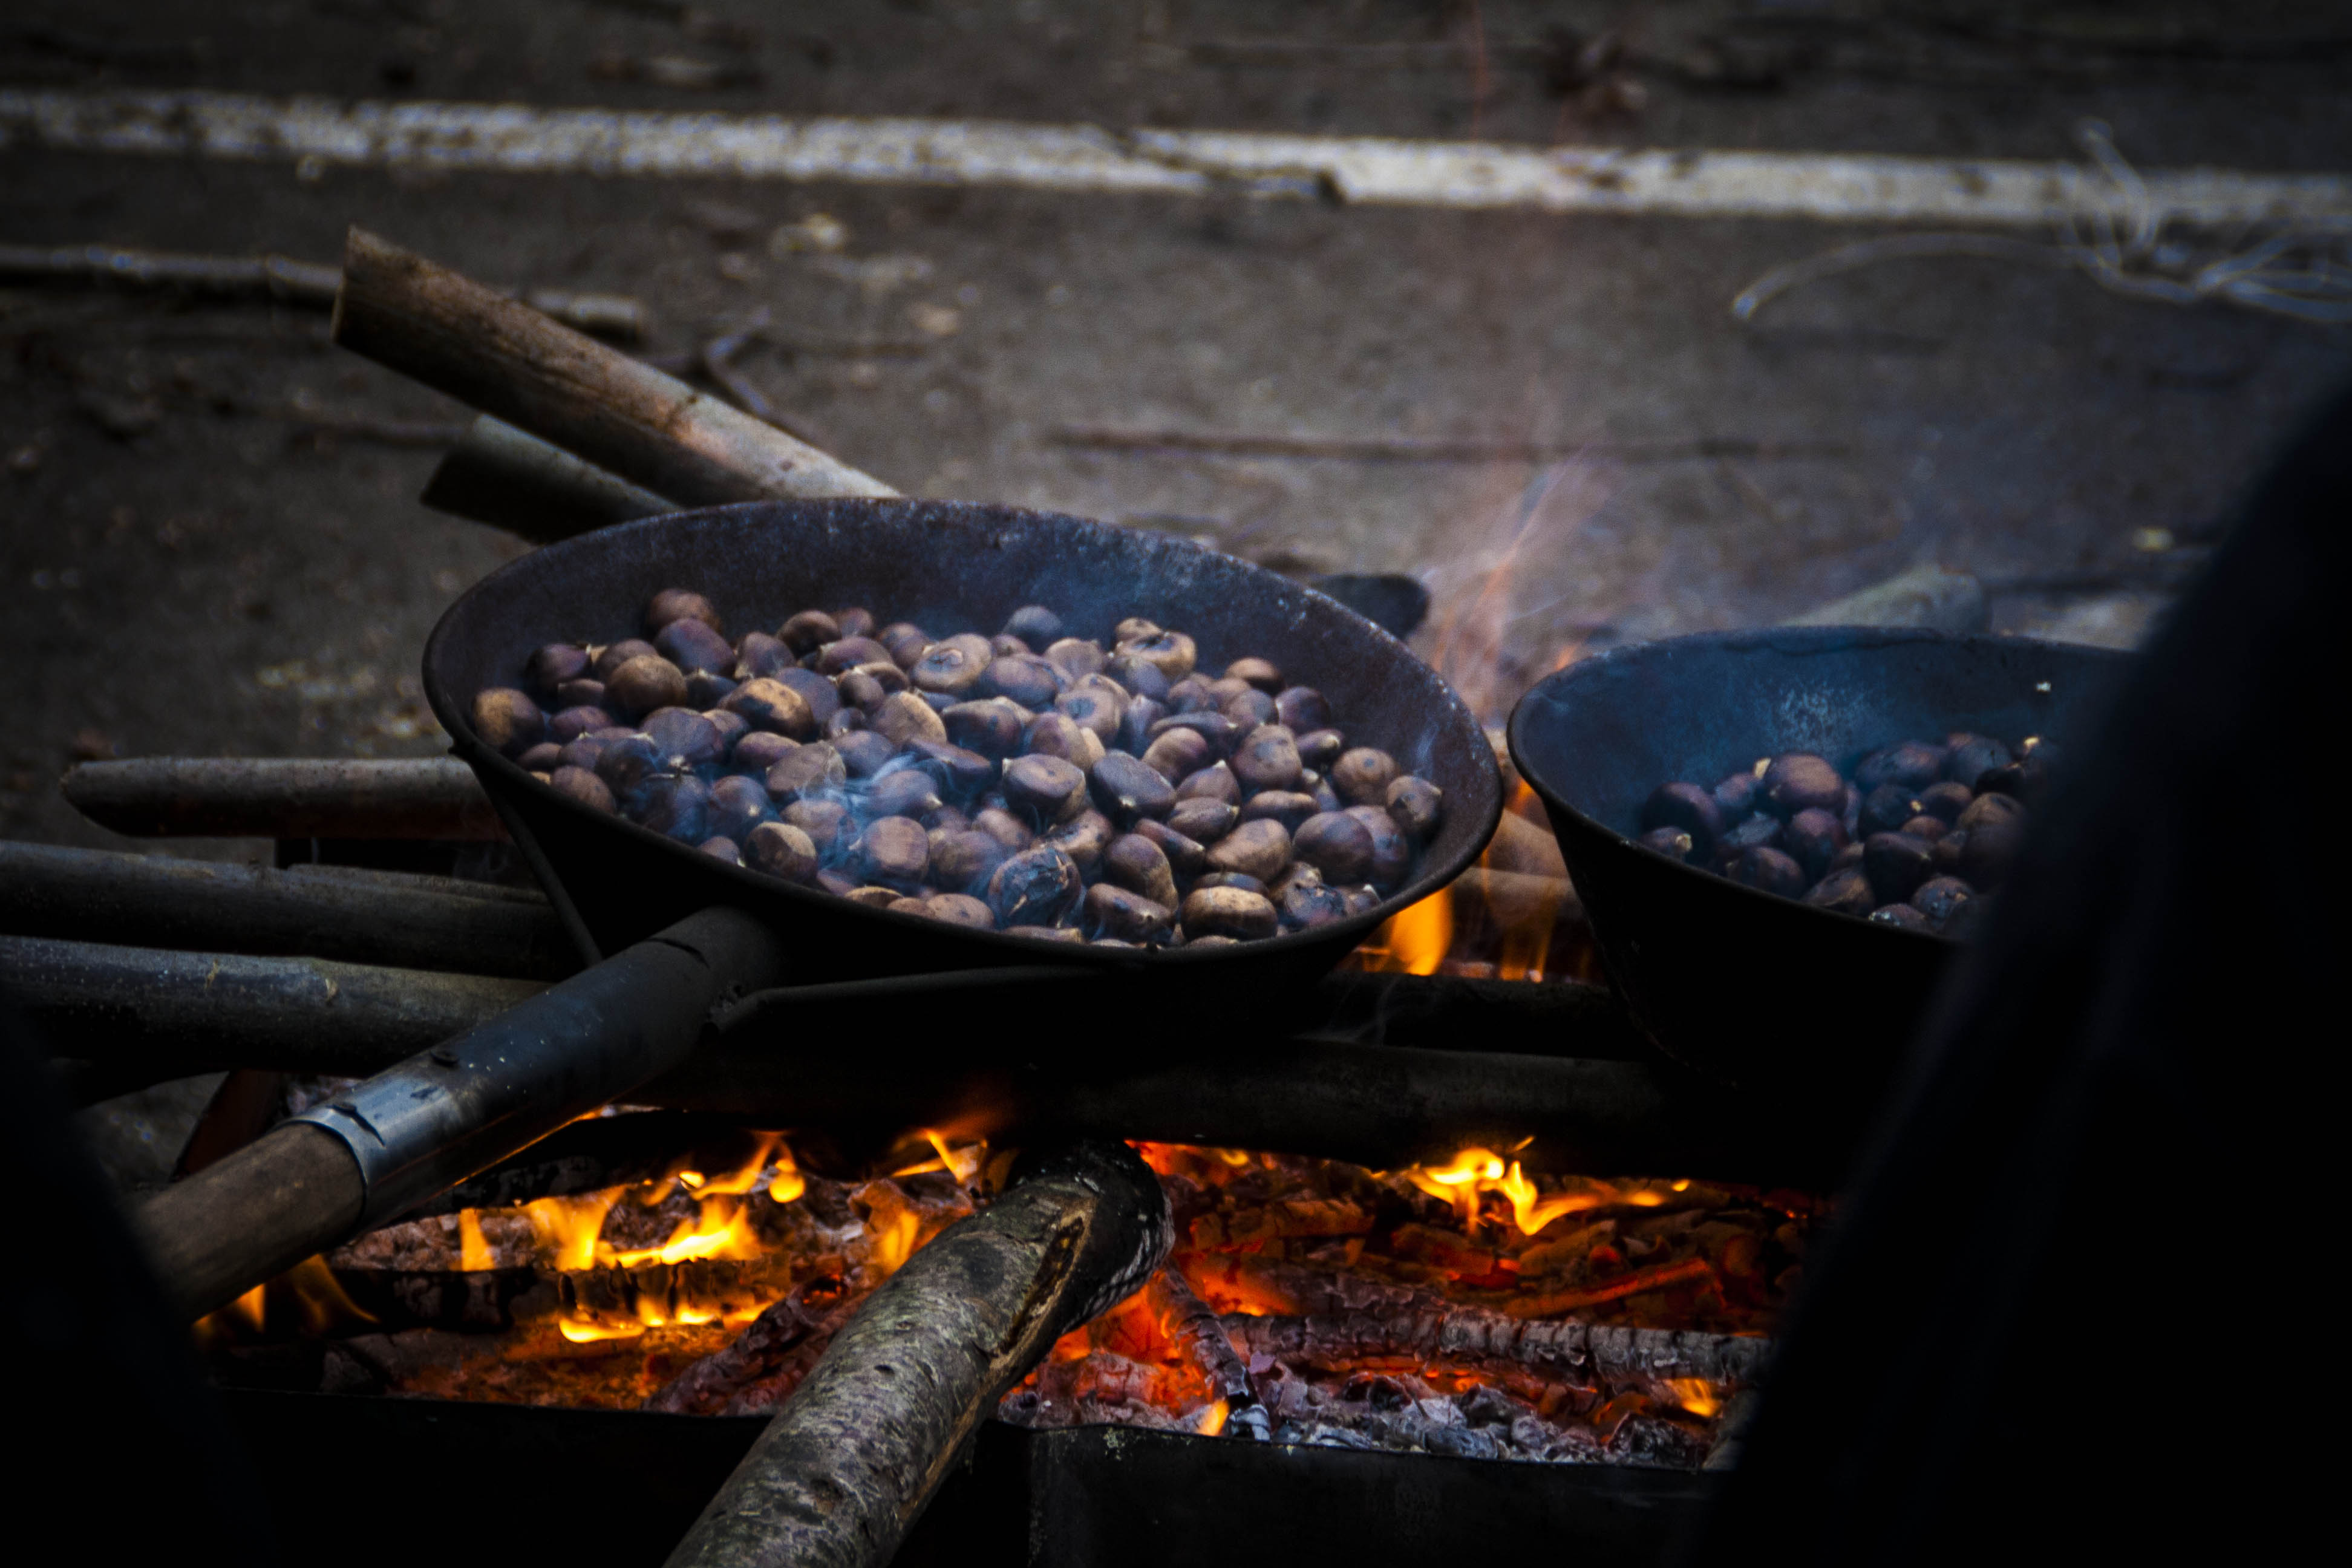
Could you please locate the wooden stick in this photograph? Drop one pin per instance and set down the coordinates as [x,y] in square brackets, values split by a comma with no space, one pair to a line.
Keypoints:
[279,278]
[188,1012]
[365,917]
[850,1460]
[505,359]
[303,798]
[1186,1319]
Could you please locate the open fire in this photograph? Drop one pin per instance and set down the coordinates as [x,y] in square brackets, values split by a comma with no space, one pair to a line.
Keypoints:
[1466,1309]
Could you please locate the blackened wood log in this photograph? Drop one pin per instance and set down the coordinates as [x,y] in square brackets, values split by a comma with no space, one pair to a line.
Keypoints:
[1578,1351]
[1380,1106]
[1441,1012]
[1185,1319]
[849,1462]
[295,797]
[378,917]
[508,361]
[503,477]
[195,1012]
[388,1144]
[807,1318]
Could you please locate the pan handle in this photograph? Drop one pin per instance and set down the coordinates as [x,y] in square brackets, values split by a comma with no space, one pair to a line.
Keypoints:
[527,845]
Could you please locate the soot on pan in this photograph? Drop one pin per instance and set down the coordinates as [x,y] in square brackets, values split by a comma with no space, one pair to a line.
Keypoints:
[1032,782]
[1915,837]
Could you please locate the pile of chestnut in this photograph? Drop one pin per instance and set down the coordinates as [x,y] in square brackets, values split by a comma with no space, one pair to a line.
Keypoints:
[1913,837]
[1032,782]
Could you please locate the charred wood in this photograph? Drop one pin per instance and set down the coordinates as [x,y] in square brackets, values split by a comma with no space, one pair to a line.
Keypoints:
[1380,1106]
[786,1338]
[852,1459]
[304,797]
[1441,1012]
[385,918]
[1437,1333]
[1185,1319]
[508,361]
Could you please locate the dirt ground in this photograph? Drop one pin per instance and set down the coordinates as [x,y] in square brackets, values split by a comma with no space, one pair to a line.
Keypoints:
[195,560]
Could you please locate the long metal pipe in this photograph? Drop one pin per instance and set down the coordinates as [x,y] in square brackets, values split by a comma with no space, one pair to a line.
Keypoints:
[444,1114]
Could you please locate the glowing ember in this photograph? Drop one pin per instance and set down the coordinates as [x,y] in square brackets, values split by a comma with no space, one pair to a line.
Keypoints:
[1443,1307]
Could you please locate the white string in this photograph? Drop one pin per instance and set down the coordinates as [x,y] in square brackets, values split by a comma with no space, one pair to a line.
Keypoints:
[2116,236]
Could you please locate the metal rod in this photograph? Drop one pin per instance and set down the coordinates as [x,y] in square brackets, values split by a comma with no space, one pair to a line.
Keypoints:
[510,479]
[849,1462]
[380,917]
[505,359]
[447,1113]
[297,797]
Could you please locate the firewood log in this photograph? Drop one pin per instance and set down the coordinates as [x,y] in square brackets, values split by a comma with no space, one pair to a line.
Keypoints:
[508,361]
[849,1462]
[289,797]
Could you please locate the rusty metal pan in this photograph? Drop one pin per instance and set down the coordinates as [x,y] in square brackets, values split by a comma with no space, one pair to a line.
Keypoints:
[949,566]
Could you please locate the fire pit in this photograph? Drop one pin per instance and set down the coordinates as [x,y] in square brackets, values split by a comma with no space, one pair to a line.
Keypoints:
[1322,1335]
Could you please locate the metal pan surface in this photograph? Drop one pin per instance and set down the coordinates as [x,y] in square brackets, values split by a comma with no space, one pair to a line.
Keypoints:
[951,567]
[1747,987]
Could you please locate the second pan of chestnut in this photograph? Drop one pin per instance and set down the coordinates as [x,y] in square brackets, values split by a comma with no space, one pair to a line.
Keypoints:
[949,568]
[1739,982]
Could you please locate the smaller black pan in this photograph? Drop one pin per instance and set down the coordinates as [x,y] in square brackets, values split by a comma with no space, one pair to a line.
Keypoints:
[951,567]
[1749,988]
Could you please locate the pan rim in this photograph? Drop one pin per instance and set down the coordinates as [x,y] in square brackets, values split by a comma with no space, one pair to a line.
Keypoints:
[1434,874]
[1777,639]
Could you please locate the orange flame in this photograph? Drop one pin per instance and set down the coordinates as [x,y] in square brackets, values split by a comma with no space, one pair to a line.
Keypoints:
[473,1247]
[251,1306]
[1415,939]
[1474,1173]
[1694,1394]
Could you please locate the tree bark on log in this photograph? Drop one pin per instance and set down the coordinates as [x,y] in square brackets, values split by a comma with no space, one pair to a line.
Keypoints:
[370,916]
[849,1462]
[441,328]
[302,797]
